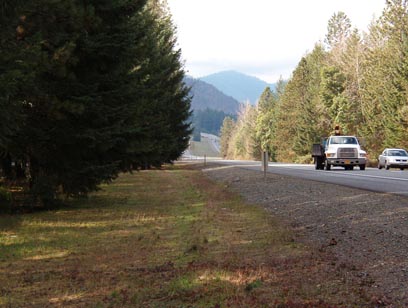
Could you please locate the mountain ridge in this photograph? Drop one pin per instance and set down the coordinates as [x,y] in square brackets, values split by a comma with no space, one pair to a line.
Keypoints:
[240,86]
[207,96]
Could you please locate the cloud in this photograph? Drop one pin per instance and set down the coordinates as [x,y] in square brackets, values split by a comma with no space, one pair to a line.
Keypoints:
[259,37]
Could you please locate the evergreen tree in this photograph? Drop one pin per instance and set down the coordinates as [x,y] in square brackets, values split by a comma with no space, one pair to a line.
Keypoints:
[332,91]
[338,30]
[99,88]
[352,66]
[373,87]
[266,122]
[164,118]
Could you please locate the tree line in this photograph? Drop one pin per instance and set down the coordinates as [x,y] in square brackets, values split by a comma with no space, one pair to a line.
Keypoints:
[88,89]
[356,80]
[208,121]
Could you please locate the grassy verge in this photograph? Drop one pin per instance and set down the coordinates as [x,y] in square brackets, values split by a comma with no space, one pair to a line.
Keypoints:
[167,238]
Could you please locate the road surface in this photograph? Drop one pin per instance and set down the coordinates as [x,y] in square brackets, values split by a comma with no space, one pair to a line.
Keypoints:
[391,181]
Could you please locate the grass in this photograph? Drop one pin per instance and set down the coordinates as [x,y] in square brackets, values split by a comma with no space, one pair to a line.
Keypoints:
[168,238]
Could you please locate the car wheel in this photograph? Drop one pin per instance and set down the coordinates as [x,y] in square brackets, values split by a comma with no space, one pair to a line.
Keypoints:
[362,167]
[387,167]
[402,169]
[379,166]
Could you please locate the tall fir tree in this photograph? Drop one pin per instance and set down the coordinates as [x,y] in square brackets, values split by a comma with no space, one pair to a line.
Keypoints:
[266,122]
[100,90]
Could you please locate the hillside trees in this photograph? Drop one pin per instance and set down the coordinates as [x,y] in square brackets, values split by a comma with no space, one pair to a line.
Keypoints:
[384,79]
[238,139]
[209,121]
[358,81]
[300,122]
[95,88]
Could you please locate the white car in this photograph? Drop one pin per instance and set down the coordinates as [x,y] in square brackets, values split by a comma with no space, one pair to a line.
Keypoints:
[393,158]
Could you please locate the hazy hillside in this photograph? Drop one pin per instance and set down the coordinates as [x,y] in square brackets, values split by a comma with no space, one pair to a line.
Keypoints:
[206,96]
[240,86]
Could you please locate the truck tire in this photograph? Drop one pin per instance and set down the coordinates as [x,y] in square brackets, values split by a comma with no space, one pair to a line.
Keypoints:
[362,167]
[327,166]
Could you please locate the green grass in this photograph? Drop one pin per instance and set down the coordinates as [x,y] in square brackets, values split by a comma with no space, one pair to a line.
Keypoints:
[167,238]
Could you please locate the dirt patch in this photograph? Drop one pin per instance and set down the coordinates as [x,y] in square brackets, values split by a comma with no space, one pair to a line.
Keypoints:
[364,233]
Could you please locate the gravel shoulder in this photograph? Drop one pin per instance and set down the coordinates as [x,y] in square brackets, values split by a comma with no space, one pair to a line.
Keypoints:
[364,231]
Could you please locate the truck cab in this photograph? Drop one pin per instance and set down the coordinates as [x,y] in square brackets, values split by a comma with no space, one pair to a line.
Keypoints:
[343,151]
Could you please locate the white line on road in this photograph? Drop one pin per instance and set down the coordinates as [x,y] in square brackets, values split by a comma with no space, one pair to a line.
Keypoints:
[346,173]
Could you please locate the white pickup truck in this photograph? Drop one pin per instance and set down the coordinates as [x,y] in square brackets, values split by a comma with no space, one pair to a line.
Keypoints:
[343,151]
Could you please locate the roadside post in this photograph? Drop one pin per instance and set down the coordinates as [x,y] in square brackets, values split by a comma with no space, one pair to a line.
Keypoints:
[205,160]
[265,163]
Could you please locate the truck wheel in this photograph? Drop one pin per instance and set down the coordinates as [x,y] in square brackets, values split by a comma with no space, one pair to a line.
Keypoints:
[362,167]
[319,165]
[327,166]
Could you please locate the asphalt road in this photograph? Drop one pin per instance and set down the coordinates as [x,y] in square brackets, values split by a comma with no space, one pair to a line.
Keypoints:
[391,181]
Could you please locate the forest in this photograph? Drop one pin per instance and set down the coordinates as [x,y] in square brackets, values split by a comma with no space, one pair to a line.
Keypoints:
[88,89]
[357,80]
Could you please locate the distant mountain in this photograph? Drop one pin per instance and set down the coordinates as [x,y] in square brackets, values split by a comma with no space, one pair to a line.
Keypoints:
[240,86]
[207,96]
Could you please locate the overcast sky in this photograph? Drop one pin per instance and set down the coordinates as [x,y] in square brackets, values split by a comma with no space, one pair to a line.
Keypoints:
[262,38]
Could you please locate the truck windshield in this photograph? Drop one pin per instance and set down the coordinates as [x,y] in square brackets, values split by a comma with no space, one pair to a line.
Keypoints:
[343,140]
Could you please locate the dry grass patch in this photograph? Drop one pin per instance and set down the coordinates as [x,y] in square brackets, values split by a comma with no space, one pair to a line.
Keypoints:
[168,238]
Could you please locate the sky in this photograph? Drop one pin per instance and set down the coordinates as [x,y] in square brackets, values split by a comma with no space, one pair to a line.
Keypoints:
[261,38]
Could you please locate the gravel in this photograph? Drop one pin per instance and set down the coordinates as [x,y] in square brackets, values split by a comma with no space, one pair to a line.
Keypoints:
[367,231]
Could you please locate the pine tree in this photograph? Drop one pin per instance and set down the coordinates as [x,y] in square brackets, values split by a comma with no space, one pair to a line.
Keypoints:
[338,30]
[266,122]
[100,90]
[165,109]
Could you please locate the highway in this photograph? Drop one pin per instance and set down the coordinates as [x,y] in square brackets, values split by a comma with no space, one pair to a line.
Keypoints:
[391,181]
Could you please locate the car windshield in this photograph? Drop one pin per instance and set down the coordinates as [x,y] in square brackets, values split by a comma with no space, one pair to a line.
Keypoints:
[343,140]
[397,153]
